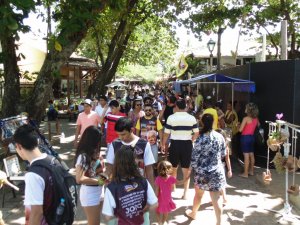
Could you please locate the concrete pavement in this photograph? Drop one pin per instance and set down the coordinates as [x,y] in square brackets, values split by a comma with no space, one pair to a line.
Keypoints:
[249,200]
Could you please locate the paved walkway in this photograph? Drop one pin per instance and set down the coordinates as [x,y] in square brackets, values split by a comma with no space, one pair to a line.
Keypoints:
[249,201]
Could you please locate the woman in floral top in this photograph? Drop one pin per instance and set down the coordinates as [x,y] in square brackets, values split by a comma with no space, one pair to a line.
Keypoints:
[209,149]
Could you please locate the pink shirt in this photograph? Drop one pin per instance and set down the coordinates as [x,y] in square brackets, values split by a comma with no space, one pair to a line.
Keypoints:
[86,120]
[250,127]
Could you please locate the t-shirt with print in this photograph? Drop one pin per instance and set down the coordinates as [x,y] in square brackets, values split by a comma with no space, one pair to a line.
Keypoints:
[146,124]
[127,199]
[93,170]
[142,160]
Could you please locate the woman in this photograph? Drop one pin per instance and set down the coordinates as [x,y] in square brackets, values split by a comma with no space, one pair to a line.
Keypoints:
[89,166]
[136,111]
[247,128]
[129,195]
[221,122]
[207,164]
[231,118]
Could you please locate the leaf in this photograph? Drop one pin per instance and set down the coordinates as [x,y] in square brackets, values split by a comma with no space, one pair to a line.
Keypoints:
[57,46]
[13,25]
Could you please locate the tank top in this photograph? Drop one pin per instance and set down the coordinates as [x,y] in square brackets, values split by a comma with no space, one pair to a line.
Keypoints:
[250,127]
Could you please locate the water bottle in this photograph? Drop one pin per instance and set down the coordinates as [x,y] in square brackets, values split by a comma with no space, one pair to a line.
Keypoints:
[62,137]
[60,211]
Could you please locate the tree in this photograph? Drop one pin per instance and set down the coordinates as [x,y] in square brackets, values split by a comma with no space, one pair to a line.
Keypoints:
[214,16]
[150,43]
[12,15]
[110,51]
[267,15]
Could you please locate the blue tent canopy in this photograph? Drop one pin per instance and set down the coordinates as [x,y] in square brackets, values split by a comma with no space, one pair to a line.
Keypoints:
[238,84]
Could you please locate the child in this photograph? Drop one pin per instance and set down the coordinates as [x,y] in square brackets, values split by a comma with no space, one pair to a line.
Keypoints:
[227,163]
[151,137]
[129,195]
[164,184]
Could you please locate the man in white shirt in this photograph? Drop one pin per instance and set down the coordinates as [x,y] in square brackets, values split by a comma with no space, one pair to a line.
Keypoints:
[142,150]
[102,110]
[27,148]
[182,129]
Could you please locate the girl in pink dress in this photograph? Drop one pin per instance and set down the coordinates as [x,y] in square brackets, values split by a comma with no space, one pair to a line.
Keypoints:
[164,185]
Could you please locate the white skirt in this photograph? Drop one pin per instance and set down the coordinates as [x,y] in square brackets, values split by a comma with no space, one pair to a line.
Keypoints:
[90,195]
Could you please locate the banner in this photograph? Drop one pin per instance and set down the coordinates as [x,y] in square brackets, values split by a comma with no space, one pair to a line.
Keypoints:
[181,67]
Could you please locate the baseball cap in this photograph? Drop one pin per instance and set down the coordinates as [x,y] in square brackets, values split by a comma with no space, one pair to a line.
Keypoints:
[88,101]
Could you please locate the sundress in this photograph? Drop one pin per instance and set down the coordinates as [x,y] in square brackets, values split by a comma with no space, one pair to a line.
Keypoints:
[165,201]
[209,149]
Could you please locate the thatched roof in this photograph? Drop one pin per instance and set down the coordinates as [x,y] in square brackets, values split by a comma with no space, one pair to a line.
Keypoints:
[83,62]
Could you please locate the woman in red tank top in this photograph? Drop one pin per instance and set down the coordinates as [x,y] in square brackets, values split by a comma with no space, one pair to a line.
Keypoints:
[247,128]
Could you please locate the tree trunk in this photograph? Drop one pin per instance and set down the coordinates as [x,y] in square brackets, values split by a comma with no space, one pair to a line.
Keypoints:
[54,60]
[43,85]
[107,73]
[11,97]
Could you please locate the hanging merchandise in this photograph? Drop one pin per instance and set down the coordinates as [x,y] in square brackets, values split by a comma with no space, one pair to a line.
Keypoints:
[280,139]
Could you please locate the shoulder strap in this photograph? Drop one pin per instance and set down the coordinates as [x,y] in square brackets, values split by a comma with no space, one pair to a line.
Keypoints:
[46,162]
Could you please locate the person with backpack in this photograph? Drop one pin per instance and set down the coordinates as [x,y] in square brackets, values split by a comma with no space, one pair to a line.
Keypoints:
[129,195]
[142,151]
[89,166]
[50,191]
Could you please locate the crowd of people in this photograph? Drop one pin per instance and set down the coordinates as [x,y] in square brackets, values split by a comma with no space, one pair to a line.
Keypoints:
[149,135]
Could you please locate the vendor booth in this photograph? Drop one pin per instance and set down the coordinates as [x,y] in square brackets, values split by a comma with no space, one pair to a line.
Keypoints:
[214,78]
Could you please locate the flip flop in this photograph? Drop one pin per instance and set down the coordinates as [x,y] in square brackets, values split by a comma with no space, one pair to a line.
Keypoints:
[241,175]
[188,216]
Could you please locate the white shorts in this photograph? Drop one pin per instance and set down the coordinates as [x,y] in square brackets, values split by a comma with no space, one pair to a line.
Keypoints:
[90,195]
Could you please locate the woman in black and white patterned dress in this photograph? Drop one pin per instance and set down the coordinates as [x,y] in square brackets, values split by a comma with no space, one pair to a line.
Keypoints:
[209,149]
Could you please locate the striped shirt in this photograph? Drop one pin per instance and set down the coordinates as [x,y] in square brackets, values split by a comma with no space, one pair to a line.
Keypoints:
[111,121]
[181,126]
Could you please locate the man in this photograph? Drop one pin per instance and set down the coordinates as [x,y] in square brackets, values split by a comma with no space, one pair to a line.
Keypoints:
[111,119]
[147,123]
[27,148]
[85,119]
[142,150]
[124,130]
[182,129]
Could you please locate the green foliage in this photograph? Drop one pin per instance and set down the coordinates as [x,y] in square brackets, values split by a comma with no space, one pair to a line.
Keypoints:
[151,39]
[138,72]
[211,15]
[12,14]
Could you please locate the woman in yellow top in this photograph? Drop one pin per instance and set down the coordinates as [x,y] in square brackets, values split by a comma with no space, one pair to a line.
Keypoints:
[231,118]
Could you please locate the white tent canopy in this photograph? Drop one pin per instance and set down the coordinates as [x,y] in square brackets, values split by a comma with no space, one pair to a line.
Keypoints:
[116,84]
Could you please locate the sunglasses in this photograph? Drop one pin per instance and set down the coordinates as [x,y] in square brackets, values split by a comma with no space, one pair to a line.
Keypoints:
[148,110]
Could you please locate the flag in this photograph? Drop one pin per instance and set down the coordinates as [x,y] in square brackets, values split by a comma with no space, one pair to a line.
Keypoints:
[181,67]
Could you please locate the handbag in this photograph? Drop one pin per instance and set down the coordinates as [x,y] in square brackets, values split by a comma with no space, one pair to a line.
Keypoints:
[258,136]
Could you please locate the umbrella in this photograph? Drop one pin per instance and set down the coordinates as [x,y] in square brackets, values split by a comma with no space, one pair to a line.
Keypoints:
[116,84]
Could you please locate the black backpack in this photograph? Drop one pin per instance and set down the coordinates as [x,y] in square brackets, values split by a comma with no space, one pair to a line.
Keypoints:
[59,183]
